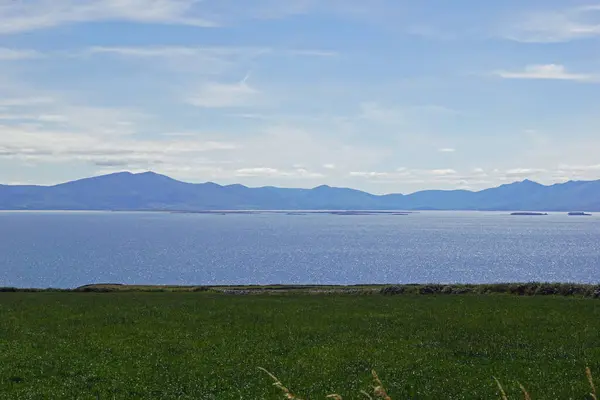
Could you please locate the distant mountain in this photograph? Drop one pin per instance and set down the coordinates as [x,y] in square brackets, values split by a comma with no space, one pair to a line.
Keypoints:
[151,191]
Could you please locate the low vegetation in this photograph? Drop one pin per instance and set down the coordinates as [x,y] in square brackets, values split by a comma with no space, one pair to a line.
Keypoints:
[520,289]
[379,391]
[206,345]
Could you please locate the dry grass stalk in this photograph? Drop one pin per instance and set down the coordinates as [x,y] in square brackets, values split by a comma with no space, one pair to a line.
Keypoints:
[502,392]
[526,395]
[379,390]
[367,395]
[588,373]
[277,383]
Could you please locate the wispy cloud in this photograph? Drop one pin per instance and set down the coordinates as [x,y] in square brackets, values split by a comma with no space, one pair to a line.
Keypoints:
[23,16]
[224,95]
[548,71]
[51,144]
[203,59]
[312,53]
[207,53]
[8,54]
[275,172]
[556,25]
[524,172]
[25,101]
[371,174]
[179,51]
[376,112]
[447,150]
[579,168]
[442,172]
[59,113]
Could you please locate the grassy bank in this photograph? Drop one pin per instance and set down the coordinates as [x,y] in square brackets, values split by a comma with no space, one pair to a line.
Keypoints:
[520,289]
[204,345]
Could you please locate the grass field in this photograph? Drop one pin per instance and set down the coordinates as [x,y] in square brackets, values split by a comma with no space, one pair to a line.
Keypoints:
[202,345]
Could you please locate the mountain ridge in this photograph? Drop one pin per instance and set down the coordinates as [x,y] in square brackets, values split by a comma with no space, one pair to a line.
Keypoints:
[152,191]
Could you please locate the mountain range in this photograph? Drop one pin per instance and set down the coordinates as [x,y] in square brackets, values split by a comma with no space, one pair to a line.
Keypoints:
[151,191]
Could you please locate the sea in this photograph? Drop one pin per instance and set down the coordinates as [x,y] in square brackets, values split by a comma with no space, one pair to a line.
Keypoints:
[70,249]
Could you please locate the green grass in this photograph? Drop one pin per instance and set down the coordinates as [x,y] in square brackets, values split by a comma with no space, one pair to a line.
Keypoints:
[204,345]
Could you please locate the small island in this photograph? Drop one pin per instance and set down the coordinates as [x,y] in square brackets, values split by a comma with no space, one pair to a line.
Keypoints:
[579,214]
[528,213]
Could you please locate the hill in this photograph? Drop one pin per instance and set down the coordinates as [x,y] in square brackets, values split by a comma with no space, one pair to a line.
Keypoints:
[151,191]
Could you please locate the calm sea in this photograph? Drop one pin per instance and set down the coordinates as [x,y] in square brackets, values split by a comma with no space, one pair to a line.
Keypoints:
[68,249]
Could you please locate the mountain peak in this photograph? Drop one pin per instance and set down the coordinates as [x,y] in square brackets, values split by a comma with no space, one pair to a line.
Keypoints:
[152,176]
[523,183]
[530,182]
[322,187]
[147,173]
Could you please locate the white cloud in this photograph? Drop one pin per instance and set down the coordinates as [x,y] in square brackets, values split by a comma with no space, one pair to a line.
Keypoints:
[200,59]
[66,117]
[25,101]
[409,175]
[579,168]
[313,53]
[377,113]
[447,150]
[374,112]
[304,173]
[223,95]
[52,146]
[178,51]
[204,52]
[329,166]
[7,54]
[442,172]
[371,174]
[274,172]
[194,60]
[547,71]
[53,118]
[556,26]
[23,16]
[523,172]
[258,171]
[48,139]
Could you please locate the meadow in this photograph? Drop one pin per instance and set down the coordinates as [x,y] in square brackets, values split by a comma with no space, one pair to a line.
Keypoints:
[206,345]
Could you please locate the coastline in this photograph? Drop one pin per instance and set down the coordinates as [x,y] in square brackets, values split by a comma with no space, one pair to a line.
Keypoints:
[518,289]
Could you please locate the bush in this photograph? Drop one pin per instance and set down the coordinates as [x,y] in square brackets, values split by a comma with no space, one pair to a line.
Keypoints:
[431,289]
[392,290]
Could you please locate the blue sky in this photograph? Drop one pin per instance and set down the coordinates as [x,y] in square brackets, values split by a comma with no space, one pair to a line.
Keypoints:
[380,95]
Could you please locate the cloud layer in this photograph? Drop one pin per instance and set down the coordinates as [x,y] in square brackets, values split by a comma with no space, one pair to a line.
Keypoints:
[380,96]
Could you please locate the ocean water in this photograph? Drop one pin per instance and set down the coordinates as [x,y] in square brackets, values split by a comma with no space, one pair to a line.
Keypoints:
[69,249]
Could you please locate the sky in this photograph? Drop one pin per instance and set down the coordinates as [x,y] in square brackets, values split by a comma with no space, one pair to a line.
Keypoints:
[387,96]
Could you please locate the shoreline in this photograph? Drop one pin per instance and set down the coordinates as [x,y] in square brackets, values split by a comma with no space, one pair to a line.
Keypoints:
[519,289]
